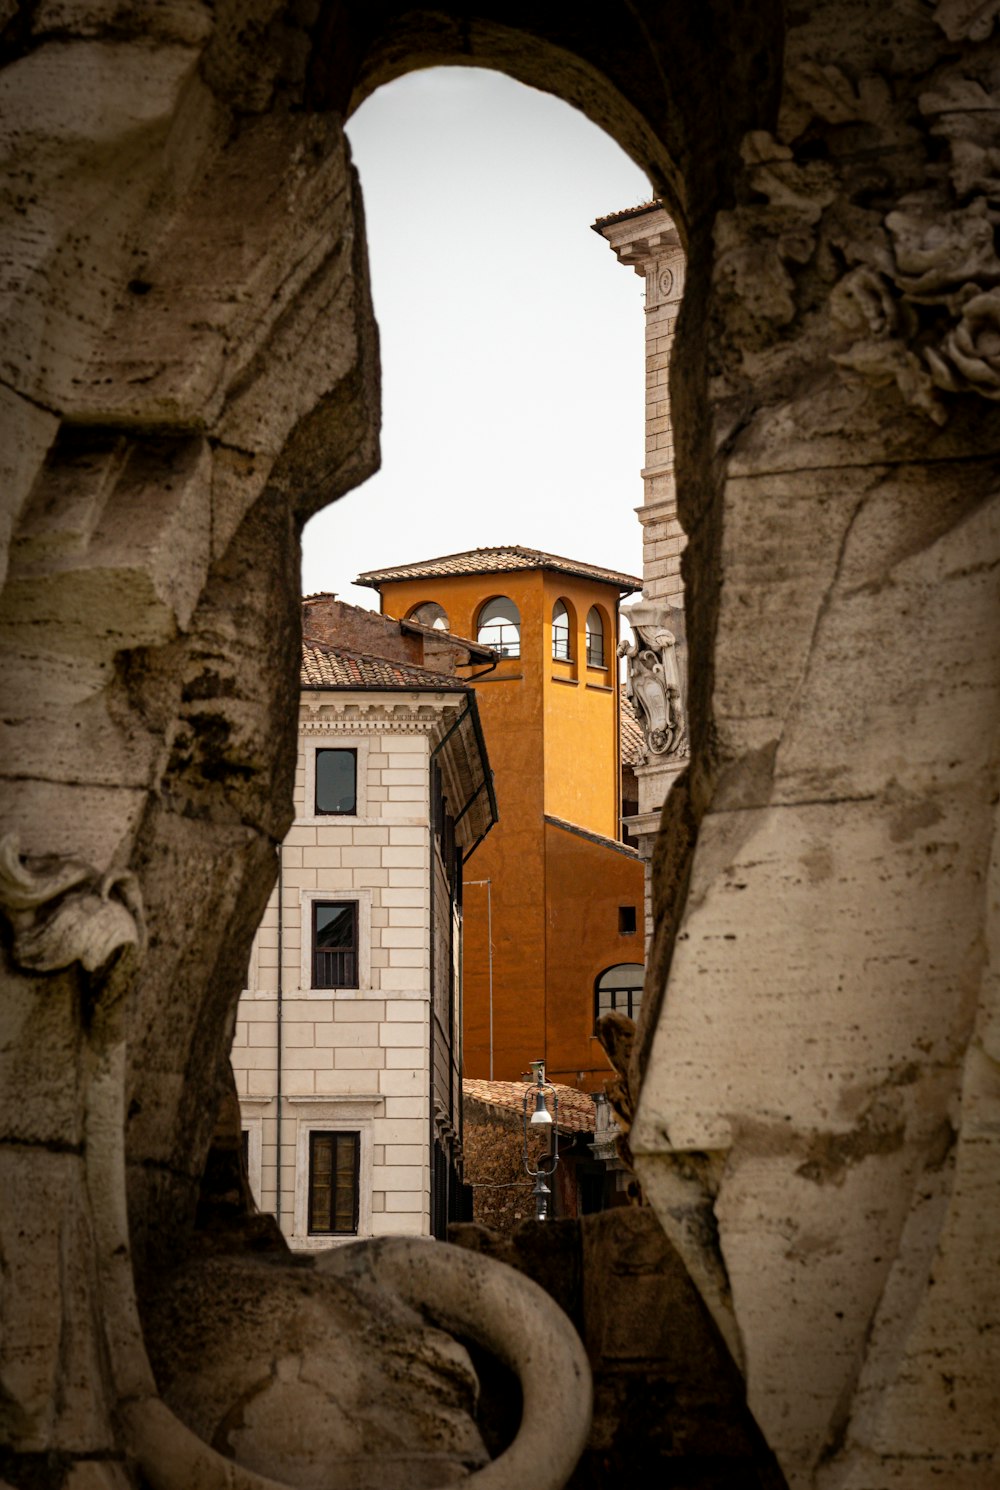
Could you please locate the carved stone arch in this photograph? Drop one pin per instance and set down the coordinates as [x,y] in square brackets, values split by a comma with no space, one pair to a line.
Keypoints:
[191,368]
[661,96]
[429,613]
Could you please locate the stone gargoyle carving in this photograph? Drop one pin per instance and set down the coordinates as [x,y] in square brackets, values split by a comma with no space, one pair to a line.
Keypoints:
[653,685]
[341,1369]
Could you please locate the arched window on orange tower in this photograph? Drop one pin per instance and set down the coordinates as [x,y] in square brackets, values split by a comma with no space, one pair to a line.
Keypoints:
[619,988]
[595,638]
[561,632]
[500,626]
[429,613]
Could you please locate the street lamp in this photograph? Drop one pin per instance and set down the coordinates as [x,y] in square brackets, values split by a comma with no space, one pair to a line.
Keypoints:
[540,1120]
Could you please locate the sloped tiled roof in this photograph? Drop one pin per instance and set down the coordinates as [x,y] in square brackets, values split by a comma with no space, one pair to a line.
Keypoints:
[498,561]
[326,666]
[633,739]
[576,1109]
[436,634]
[624,215]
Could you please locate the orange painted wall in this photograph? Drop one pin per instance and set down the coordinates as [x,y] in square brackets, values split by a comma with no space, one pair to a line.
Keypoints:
[586,883]
[553,749]
[582,779]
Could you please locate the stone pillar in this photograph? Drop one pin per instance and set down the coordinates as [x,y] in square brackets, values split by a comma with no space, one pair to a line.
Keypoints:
[189,371]
[818,1126]
[645,239]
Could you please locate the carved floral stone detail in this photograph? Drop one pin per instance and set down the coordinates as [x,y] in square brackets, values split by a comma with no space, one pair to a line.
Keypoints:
[862,304]
[935,252]
[967,20]
[63,911]
[754,243]
[969,357]
[968,117]
[900,311]
[941,263]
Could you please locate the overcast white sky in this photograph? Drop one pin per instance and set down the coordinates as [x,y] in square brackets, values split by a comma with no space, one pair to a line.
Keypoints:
[511,338]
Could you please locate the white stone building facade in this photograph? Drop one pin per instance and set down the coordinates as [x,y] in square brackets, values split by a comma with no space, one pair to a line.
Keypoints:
[645,240]
[347,1052]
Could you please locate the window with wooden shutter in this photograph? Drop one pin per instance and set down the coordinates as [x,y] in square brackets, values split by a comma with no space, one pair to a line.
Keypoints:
[334,1183]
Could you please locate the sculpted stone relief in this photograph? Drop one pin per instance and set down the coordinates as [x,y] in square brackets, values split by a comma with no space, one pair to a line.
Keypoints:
[190,370]
[848,537]
[919,304]
[653,682]
[310,1381]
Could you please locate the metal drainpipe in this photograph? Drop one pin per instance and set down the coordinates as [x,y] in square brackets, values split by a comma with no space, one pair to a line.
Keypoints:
[489,950]
[281,916]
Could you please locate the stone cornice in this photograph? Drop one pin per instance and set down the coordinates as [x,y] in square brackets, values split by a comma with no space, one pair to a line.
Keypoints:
[375,713]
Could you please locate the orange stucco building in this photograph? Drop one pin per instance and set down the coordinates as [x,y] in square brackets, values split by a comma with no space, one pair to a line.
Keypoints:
[555,892]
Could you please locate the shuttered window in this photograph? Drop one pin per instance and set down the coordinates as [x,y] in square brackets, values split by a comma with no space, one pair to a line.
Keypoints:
[334,1173]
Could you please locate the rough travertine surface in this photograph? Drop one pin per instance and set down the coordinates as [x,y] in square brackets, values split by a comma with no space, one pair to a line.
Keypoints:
[645,240]
[189,369]
[669,1402]
[262,1362]
[818,1124]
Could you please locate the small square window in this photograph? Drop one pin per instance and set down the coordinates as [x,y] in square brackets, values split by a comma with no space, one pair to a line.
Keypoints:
[336,781]
[335,944]
[334,1183]
[626,920]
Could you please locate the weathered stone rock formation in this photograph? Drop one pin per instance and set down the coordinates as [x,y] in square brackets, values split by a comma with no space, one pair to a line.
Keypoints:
[669,1401]
[190,369]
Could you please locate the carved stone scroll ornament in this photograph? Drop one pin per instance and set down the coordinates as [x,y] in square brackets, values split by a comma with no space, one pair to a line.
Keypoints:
[653,684]
[63,912]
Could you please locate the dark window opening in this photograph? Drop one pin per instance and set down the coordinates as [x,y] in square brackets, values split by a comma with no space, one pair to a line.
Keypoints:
[626,920]
[335,944]
[336,781]
[591,1188]
[334,1183]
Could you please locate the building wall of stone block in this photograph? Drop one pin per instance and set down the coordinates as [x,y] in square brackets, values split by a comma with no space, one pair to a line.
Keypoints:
[351,1058]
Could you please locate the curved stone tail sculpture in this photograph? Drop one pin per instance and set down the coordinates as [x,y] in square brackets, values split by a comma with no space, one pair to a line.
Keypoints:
[475,1296]
[471,1295]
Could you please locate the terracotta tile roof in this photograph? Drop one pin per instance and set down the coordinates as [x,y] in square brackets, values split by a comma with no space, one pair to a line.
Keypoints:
[627,212]
[498,561]
[576,1109]
[632,737]
[325,666]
